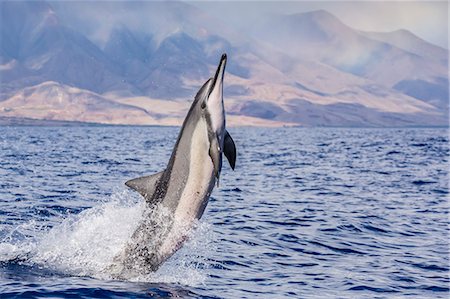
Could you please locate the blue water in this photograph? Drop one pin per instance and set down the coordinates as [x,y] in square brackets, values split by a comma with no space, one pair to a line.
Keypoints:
[308,213]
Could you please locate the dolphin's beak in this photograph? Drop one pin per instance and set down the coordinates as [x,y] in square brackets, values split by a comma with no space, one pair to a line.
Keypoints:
[217,82]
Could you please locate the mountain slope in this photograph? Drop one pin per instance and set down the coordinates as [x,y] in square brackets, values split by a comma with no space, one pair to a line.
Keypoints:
[43,49]
[406,40]
[54,101]
[178,56]
[433,89]
[318,35]
[131,52]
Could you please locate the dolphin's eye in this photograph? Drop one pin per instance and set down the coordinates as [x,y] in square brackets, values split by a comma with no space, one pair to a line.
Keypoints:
[203,105]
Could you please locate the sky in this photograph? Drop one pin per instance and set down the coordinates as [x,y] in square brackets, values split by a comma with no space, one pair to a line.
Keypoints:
[426,19]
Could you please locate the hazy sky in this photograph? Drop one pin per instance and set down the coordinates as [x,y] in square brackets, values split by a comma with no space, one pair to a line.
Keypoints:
[427,19]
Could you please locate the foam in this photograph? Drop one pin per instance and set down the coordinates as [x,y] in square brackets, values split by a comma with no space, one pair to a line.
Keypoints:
[85,244]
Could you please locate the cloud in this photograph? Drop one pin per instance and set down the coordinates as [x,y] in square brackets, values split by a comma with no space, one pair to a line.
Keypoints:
[427,19]
[96,19]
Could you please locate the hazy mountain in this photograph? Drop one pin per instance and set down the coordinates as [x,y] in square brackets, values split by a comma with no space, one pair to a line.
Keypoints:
[308,69]
[319,35]
[398,60]
[54,101]
[433,88]
[178,56]
[41,49]
[131,52]
[410,42]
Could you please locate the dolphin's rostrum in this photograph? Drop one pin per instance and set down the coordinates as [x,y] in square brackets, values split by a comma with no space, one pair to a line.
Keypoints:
[178,195]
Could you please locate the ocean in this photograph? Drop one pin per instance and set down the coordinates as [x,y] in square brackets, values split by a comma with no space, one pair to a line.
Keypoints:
[307,213]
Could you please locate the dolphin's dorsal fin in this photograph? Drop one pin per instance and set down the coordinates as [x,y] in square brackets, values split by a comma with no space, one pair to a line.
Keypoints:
[229,149]
[145,185]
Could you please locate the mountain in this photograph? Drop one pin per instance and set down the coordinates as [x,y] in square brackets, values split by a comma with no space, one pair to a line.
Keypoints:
[319,35]
[432,88]
[182,57]
[42,49]
[147,58]
[55,101]
[130,52]
[397,60]
[408,41]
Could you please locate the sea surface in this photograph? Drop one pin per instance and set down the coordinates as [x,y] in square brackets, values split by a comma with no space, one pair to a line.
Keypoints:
[307,213]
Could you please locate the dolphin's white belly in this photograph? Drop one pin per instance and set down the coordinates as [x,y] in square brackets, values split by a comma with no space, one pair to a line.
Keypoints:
[198,187]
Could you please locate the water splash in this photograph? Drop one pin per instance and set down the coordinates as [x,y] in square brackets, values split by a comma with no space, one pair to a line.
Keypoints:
[86,244]
[19,241]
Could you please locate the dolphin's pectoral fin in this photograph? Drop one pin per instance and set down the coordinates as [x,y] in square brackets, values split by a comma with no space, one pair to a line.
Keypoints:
[216,157]
[229,149]
[145,185]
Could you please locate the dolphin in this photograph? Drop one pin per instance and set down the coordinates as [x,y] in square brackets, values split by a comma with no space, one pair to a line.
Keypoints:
[177,196]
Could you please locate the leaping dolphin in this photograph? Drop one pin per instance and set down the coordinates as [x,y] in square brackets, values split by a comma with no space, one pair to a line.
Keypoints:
[183,188]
